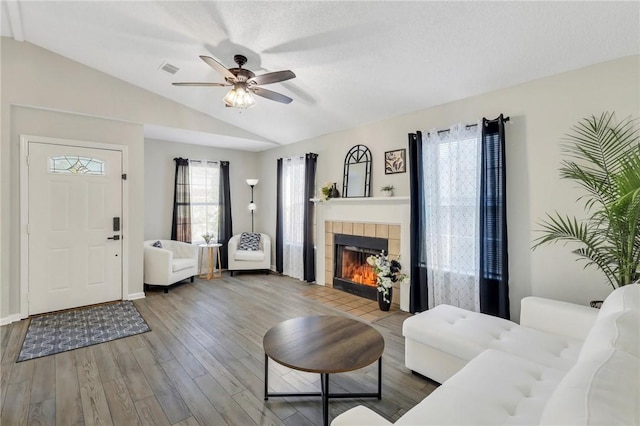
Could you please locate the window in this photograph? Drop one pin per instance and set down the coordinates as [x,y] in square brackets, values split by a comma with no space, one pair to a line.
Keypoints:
[74,164]
[293,200]
[451,200]
[451,195]
[204,179]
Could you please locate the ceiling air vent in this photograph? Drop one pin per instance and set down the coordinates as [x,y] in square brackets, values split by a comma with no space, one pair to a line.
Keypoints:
[167,67]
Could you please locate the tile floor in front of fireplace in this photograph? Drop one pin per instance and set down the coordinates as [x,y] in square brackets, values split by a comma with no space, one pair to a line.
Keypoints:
[366,309]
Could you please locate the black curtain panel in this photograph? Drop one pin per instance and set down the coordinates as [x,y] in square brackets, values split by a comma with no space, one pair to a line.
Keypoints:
[494,260]
[418,295]
[279,225]
[181,224]
[308,253]
[225,227]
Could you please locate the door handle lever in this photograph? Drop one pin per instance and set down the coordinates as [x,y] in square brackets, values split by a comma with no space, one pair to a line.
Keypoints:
[115,237]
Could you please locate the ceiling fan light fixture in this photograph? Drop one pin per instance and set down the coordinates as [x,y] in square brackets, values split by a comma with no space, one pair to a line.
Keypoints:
[239,97]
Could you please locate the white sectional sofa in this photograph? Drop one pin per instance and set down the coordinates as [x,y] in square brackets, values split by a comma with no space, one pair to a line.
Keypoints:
[563,365]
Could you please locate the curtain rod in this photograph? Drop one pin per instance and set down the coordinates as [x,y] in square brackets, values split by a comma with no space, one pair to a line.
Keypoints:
[205,161]
[293,156]
[198,161]
[468,126]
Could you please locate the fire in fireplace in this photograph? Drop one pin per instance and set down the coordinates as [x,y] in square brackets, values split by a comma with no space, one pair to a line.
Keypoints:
[352,273]
[355,267]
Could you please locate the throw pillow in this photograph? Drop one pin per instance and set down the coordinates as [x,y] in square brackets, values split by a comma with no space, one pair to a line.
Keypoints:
[249,241]
[157,244]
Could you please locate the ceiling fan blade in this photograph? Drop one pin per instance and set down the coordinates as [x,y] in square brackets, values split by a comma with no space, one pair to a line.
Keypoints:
[202,84]
[218,67]
[269,94]
[272,77]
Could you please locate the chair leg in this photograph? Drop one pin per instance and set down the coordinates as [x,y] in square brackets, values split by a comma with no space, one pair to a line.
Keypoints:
[192,278]
[231,273]
[166,290]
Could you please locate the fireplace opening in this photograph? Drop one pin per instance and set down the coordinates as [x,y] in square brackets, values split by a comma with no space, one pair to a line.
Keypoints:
[352,273]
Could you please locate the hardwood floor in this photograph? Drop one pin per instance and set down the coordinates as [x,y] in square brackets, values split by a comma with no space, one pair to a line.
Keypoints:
[202,363]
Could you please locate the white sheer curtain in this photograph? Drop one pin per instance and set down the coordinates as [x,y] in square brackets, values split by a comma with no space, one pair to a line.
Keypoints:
[293,216]
[204,179]
[452,191]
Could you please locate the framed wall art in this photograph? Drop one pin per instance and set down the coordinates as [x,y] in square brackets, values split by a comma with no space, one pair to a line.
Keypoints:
[395,161]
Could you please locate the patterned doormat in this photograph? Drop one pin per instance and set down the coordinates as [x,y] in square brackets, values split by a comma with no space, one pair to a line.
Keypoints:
[64,331]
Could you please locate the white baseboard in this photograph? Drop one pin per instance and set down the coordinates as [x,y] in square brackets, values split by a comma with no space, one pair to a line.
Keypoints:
[134,296]
[10,319]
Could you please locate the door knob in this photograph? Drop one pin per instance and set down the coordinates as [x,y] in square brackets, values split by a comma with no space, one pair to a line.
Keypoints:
[115,237]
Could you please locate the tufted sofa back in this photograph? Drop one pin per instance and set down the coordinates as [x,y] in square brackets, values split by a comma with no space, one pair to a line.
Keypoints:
[603,387]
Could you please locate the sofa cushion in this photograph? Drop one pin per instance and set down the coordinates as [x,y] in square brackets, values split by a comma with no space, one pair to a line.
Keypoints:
[495,388]
[618,330]
[182,263]
[249,241]
[622,298]
[360,416]
[247,255]
[601,389]
[454,330]
[465,334]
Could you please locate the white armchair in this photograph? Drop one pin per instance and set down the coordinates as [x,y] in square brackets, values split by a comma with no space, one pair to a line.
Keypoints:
[174,262]
[246,260]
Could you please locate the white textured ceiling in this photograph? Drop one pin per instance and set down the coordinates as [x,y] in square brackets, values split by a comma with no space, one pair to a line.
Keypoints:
[356,62]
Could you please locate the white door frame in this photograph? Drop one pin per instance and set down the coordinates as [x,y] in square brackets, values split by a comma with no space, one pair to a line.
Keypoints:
[24,210]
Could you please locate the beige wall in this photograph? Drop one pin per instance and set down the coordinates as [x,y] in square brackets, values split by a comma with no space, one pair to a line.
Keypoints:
[45,94]
[93,106]
[541,112]
[159,173]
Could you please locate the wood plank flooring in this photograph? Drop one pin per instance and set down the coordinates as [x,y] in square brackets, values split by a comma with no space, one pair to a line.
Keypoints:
[202,363]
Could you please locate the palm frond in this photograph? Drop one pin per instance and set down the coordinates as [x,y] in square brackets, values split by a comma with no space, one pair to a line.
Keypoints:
[604,160]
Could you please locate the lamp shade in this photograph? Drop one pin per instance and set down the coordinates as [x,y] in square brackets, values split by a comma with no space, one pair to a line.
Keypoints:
[252,182]
[239,97]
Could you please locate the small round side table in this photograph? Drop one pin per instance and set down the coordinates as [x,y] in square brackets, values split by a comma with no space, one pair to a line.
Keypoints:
[213,254]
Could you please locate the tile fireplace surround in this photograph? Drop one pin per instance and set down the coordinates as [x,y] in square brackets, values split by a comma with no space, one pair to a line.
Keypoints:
[381,217]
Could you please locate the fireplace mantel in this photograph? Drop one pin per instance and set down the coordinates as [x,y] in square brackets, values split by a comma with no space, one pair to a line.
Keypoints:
[367,200]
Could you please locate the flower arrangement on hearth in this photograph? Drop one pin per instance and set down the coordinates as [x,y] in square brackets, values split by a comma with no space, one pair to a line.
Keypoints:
[388,271]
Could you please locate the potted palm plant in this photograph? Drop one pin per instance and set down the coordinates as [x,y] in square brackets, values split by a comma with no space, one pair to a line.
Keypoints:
[604,160]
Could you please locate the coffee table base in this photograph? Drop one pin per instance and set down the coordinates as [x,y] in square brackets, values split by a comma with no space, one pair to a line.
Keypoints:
[324,390]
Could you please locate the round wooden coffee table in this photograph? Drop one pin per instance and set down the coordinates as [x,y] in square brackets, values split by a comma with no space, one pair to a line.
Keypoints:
[324,345]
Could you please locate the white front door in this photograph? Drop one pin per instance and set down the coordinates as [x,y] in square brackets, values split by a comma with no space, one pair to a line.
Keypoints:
[74,195]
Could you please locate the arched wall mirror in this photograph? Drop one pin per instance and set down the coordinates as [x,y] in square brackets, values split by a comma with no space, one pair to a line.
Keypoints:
[357,172]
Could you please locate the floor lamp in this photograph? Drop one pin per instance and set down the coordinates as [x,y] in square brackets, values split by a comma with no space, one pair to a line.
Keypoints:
[252,205]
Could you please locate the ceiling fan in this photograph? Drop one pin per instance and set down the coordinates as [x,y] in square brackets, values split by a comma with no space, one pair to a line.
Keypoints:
[244,83]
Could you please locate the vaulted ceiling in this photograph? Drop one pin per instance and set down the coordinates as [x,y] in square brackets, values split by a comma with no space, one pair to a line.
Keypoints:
[356,62]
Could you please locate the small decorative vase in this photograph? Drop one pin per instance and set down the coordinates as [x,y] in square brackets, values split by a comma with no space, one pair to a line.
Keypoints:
[383,304]
[387,193]
[334,191]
